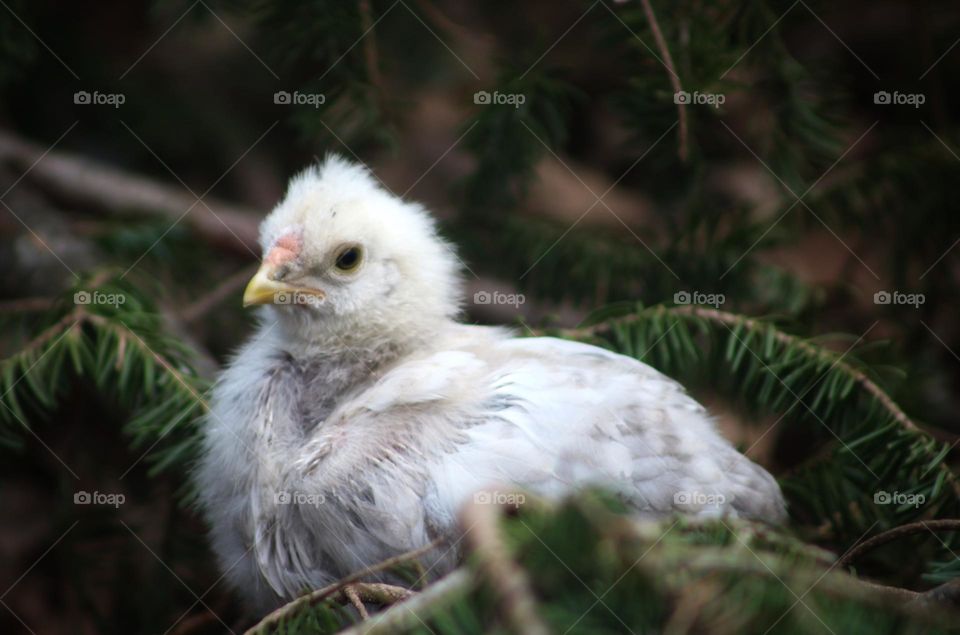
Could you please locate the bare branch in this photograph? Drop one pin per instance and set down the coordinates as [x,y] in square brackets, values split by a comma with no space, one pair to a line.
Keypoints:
[896,533]
[109,189]
[674,78]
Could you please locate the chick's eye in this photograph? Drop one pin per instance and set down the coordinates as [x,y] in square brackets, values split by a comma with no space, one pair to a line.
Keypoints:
[349,259]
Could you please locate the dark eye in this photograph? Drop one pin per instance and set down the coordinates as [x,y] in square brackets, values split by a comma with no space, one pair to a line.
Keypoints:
[349,259]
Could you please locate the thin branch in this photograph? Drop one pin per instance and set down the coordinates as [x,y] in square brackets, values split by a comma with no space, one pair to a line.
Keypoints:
[507,579]
[26,305]
[407,616]
[374,592]
[315,597]
[674,78]
[209,301]
[196,623]
[79,316]
[351,593]
[732,319]
[371,57]
[178,375]
[896,533]
[355,594]
[110,190]
[791,340]
[389,563]
[71,318]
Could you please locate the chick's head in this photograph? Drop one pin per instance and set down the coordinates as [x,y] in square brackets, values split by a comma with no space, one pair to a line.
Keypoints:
[343,256]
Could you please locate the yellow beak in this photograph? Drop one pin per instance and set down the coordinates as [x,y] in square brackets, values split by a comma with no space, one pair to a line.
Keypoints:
[263,289]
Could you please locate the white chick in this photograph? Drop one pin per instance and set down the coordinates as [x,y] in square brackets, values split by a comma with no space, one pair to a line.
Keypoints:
[360,416]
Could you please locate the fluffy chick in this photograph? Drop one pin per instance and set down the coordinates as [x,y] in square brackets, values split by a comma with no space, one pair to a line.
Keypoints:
[360,416]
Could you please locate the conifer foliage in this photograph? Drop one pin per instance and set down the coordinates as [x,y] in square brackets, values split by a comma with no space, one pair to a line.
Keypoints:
[756,198]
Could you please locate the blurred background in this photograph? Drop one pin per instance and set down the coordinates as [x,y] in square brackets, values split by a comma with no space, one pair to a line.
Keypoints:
[789,160]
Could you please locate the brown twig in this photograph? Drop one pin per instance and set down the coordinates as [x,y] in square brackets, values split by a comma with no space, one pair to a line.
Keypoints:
[674,78]
[372,592]
[507,579]
[26,305]
[407,616]
[208,301]
[111,190]
[371,57]
[352,594]
[896,533]
[389,563]
[689,604]
[195,623]
[315,597]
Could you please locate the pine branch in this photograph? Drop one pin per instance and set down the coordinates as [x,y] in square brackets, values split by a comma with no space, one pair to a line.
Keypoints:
[896,533]
[752,324]
[123,348]
[842,490]
[717,575]
[334,591]
[406,617]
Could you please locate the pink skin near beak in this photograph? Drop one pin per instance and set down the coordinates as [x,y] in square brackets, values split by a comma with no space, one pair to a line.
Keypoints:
[263,288]
[286,248]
